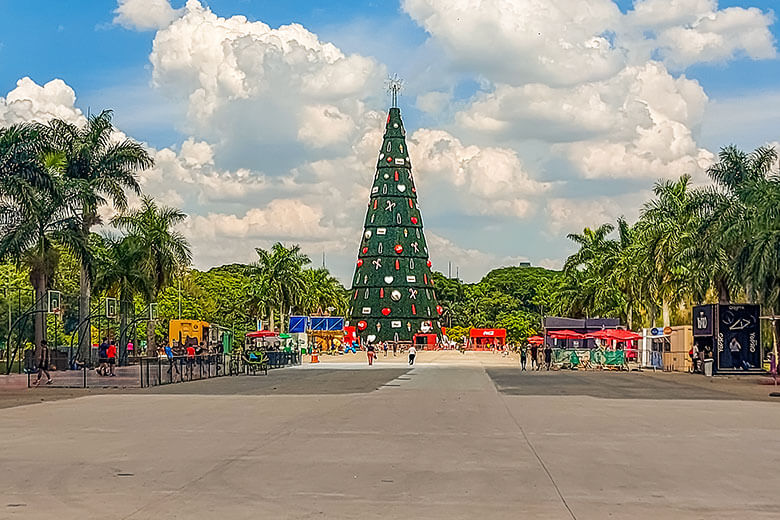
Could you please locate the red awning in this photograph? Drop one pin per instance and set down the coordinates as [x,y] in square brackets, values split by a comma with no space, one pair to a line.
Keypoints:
[565,334]
[487,333]
[261,334]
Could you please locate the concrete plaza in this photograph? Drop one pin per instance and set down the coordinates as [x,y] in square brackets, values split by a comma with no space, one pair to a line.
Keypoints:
[469,438]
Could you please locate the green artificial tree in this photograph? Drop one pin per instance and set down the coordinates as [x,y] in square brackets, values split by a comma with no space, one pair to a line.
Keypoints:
[393,295]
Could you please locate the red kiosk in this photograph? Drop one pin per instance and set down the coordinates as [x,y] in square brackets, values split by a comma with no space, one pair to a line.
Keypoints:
[486,339]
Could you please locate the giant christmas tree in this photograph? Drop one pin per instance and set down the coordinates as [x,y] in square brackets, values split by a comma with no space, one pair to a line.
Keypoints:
[393,296]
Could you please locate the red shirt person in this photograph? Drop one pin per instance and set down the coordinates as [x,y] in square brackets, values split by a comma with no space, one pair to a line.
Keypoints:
[111,355]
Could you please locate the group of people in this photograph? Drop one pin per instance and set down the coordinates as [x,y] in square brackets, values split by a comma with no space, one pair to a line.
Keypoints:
[371,351]
[533,351]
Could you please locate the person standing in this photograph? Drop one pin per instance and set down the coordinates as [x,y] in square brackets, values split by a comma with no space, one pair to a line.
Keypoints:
[736,354]
[523,352]
[412,354]
[370,354]
[548,356]
[43,363]
[534,357]
[111,358]
[384,346]
[395,348]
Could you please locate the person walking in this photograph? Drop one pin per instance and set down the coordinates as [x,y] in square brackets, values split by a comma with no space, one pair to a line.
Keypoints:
[102,368]
[548,356]
[523,352]
[395,348]
[111,358]
[171,363]
[412,354]
[43,363]
[534,357]
[370,354]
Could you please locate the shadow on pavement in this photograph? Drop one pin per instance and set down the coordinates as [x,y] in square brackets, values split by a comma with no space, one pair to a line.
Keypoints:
[612,385]
[288,382]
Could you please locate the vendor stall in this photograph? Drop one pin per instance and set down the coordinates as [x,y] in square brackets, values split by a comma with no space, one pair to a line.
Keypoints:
[486,339]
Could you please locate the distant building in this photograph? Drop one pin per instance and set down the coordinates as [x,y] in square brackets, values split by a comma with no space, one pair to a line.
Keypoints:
[524,264]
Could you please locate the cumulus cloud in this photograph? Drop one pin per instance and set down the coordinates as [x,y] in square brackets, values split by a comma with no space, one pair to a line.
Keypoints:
[144,15]
[253,90]
[32,102]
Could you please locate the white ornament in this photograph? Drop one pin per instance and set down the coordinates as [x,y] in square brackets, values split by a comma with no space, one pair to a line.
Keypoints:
[371,338]
[377,263]
[382,231]
[401,188]
[395,125]
[411,278]
[395,295]
[412,293]
[395,324]
[388,279]
[366,310]
[381,156]
[390,205]
[386,176]
[367,234]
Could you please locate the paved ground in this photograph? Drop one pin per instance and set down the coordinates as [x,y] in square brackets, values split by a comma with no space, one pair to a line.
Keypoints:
[347,441]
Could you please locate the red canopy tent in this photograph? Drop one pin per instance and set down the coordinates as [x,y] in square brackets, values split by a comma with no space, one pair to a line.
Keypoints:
[486,339]
[565,334]
[535,340]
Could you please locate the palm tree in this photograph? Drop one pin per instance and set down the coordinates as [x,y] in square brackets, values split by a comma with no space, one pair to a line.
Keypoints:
[99,169]
[37,222]
[120,270]
[165,251]
[667,228]
[322,291]
[280,273]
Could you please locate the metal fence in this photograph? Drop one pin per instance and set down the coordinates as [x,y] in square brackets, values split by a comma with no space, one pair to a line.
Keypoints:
[150,371]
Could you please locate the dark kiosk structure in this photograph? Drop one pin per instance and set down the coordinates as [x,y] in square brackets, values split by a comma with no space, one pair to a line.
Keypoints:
[730,333]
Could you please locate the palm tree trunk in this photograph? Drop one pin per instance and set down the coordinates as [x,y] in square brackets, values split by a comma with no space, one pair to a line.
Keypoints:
[666,311]
[123,310]
[39,283]
[724,296]
[630,317]
[271,318]
[281,317]
[85,337]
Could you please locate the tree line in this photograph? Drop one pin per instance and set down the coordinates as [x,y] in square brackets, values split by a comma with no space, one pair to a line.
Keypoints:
[690,245]
[55,180]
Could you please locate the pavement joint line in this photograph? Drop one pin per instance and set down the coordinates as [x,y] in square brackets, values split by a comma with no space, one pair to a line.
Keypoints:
[533,450]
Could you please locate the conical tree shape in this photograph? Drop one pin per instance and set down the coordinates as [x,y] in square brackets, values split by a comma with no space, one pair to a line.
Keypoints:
[393,296]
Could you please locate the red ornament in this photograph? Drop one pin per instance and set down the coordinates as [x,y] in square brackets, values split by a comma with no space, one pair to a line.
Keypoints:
[399,249]
[414,310]
[375,203]
[386,311]
[381,292]
[439,309]
[397,265]
[355,297]
[414,220]
[365,250]
[388,117]
[429,263]
[361,325]
[396,176]
[390,159]
[411,205]
[414,190]
[360,262]
[425,278]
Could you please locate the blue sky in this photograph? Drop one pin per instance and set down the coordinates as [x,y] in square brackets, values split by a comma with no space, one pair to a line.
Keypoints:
[108,66]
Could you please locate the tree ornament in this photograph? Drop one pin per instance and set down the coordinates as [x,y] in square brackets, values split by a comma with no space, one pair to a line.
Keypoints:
[406,232]
[412,293]
[395,295]
[365,278]
[415,246]
[410,278]
[425,278]
[399,248]
[411,263]
[356,293]
[414,220]
[408,326]
[439,309]
[388,279]
[365,250]
[379,248]
[361,325]
[401,188]
[390,205]
[429,263]
[377,264]
[381,156]
[367,234]
[386,176]
[375,201]
[398,218]
[360,262]
[396,176]
[414,310]
[381,292]
[389,159]
[411,204]
[397,265]
[386,311]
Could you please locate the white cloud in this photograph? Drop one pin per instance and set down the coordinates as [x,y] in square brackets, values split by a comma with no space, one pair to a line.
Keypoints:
[572,215]
[32,102]
[471,263]
[144,15]
[489,179]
